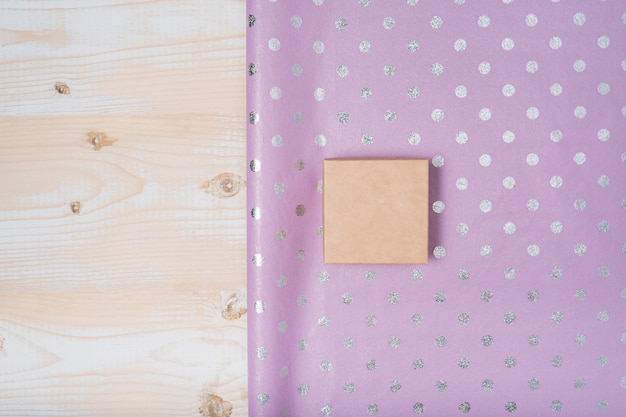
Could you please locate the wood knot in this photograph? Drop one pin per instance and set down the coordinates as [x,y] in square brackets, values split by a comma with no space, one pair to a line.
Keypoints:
[76,206]
[214,406]
[99,139]
[234,308]
[62,88]
[224,185]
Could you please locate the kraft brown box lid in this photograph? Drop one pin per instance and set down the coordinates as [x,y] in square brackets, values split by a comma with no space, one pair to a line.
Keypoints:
[375,211]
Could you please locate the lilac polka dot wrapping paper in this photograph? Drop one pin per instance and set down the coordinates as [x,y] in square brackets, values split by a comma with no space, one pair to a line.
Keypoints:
[521,108]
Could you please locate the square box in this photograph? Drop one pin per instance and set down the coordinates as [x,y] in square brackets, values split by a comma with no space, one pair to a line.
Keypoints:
[375,211]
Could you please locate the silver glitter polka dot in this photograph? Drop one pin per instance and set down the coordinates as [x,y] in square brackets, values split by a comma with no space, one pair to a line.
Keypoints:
[604,135]
[253,117]
[556,227]
[296,21]
[486,296]
[440,341]
[462,229]
[349,387]
[441,385]
[461,138]
[580,339]
[557,272]
[485,160]
[624,293]
[371,365]
[283,371]
[367,140]
[261,353]
[412,46]
[252,69]
[580,249]
[556,181]
[603,404]
[579,65]
[463,273]
[274,44]
[341,23]
[556,89]
[487,385]
[604,271]
[508,90]
[555,43]
[603,316]
[532,159]
[326,366]
[347,298]
[464,363]
[319,94]
[342,71]
[580,383]
[622,382]
[417,319]
[300,210]
[437,115]
[580,294]
[464,407]
[603,226]
[604,89]
[389,70]
[623,338]
[510,362]
[438,207]
[624,161]
[460,45]
[343,117]
[390,116]
[508,44]
[318,47]
[418,408]
[302,344]
[556,317]
[301,255]
[365,47]
[417,275]
[460,91]
[580,112]
[303,389]
[484,68]
[533,295]
[366,93]
[533,340]
[372,409]
[256,213]
[604,41]
[414,138]
[532,205]
[436,22]
[257,259]
[484,114]
[463,319]
[509,318]
[440,297]
[301,300]
[436,69]
[393,298]
[316,2]
[486,340]
[557,361]
[532,113]
[279,188]
[508,183]
[532,67]
[604,180]
[485,206]
[388,23]
[438,161]
[276,93]
[510,273]
[370,320]
[263,398]
[370,276]
[509,228]
[580,204]
[531,20]
[580,158]
[439,252]
[395,386]
[486,251]
[365,3]
[418,364]
[413,92]
[324,321]
[580,19]
[533,384]
[462,183]
[327,410]
[348,343]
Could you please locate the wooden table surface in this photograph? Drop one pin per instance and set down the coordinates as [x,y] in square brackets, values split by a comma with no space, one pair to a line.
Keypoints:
[122,208]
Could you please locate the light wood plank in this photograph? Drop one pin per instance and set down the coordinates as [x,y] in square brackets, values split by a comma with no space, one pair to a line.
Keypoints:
[122,277]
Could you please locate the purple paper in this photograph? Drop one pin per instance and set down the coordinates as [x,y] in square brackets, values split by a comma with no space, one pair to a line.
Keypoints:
[521,106]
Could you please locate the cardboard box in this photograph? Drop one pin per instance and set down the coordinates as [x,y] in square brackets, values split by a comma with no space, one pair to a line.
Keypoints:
[375,211]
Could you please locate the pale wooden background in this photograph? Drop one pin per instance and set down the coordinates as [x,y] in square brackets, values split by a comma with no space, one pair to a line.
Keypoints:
[122,280]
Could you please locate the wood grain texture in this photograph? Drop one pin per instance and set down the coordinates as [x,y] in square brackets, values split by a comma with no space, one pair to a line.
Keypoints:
[122,209]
